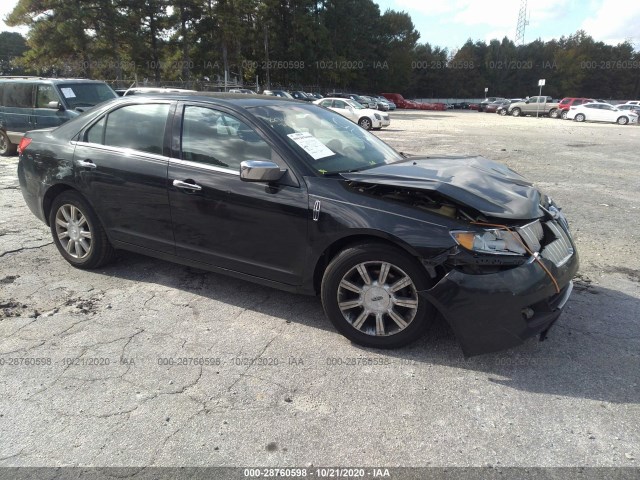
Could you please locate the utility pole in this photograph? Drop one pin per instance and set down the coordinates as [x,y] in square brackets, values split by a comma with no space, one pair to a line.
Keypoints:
[266,55]
[523,21]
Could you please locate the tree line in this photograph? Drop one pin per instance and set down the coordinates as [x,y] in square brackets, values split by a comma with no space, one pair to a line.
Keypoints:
[319,45]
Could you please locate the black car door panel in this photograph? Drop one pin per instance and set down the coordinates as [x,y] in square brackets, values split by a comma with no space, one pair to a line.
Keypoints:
[123,173]
[252,228]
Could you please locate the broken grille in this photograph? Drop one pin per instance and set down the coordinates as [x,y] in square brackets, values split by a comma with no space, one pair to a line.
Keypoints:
[532,235]
[560,250]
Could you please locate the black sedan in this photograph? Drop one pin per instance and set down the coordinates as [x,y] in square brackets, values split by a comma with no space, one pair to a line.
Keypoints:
[297,197]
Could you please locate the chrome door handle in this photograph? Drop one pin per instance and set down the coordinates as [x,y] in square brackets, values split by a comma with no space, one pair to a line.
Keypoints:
[86,164]
[187,186]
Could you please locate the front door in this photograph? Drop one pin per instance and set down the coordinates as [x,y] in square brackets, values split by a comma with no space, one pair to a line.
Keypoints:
[43,116]
[252,228]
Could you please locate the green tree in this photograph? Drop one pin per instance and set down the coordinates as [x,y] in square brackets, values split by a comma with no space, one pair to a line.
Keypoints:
[12,47]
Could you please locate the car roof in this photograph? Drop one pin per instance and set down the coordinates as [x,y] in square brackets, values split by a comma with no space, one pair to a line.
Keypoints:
[219,98]
[47,80]
[596,103]
[337,98]
[160,89]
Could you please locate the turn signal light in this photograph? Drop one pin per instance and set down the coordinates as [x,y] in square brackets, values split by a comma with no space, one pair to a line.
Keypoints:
[465,239]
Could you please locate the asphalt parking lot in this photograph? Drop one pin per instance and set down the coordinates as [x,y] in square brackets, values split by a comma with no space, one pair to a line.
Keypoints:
[150,363]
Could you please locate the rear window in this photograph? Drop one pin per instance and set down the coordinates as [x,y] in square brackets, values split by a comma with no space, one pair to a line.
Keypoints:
[18,95]
[140,127]
[86,94]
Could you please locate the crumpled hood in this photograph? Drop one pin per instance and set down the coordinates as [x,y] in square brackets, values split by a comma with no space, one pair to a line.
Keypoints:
[490,187]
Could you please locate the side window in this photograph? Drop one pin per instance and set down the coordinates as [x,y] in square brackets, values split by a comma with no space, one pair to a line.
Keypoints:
[215,138]
[18,95]
[139,127]
[326,103]
[44,95]
[96,133]
[339,104]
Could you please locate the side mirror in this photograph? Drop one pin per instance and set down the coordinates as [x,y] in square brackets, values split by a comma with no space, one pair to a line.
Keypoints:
[260,171]
[54,105]
[527,101]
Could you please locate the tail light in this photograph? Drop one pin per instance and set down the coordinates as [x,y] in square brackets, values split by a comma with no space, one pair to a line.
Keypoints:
[24,143]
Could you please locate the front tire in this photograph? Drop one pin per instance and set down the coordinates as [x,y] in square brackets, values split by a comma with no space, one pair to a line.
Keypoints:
[580,117]
[503,112]
[564,114]
[78,233]
[365,123]
[516,112]
[622,121]
[370,294]
[7,149]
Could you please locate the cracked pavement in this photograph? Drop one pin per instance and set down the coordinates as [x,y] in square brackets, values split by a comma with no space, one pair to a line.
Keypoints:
[147,363]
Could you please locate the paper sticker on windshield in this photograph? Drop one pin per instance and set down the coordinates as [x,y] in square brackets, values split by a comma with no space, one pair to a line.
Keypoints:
[311,145]
[68,92]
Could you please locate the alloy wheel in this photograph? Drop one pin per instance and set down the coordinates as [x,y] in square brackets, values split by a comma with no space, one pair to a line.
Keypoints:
[377,298]
[73,231]
[366,124]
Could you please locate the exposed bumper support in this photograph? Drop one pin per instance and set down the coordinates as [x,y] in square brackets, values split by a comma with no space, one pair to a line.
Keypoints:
[501,310]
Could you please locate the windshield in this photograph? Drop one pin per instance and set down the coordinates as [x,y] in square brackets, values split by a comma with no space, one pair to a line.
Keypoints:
[86,94]
[329,142]
[354,104]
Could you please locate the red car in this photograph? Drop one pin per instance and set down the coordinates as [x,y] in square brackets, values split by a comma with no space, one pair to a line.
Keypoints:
[438,106]
[399,100]
[568,102]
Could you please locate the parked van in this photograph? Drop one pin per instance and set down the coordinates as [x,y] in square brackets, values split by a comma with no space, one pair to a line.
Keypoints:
[30,103]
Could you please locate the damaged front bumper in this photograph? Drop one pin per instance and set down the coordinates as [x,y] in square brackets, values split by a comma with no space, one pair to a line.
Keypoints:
[501,310]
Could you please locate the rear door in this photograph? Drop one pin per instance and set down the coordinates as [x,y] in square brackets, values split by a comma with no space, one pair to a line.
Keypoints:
[591,112]
[252,228]
[18,108]
[121,162]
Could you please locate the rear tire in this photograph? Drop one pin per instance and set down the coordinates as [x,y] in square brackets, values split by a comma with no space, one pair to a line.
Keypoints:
[369,293]
[516,112]
[78,233]
[554,113]
[580,117]
[503,112]
[7,149]
[622,121]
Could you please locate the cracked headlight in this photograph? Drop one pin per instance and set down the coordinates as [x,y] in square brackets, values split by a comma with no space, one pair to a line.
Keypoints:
[494,241]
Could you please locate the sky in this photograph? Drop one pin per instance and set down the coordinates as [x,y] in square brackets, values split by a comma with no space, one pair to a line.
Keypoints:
[449,23]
